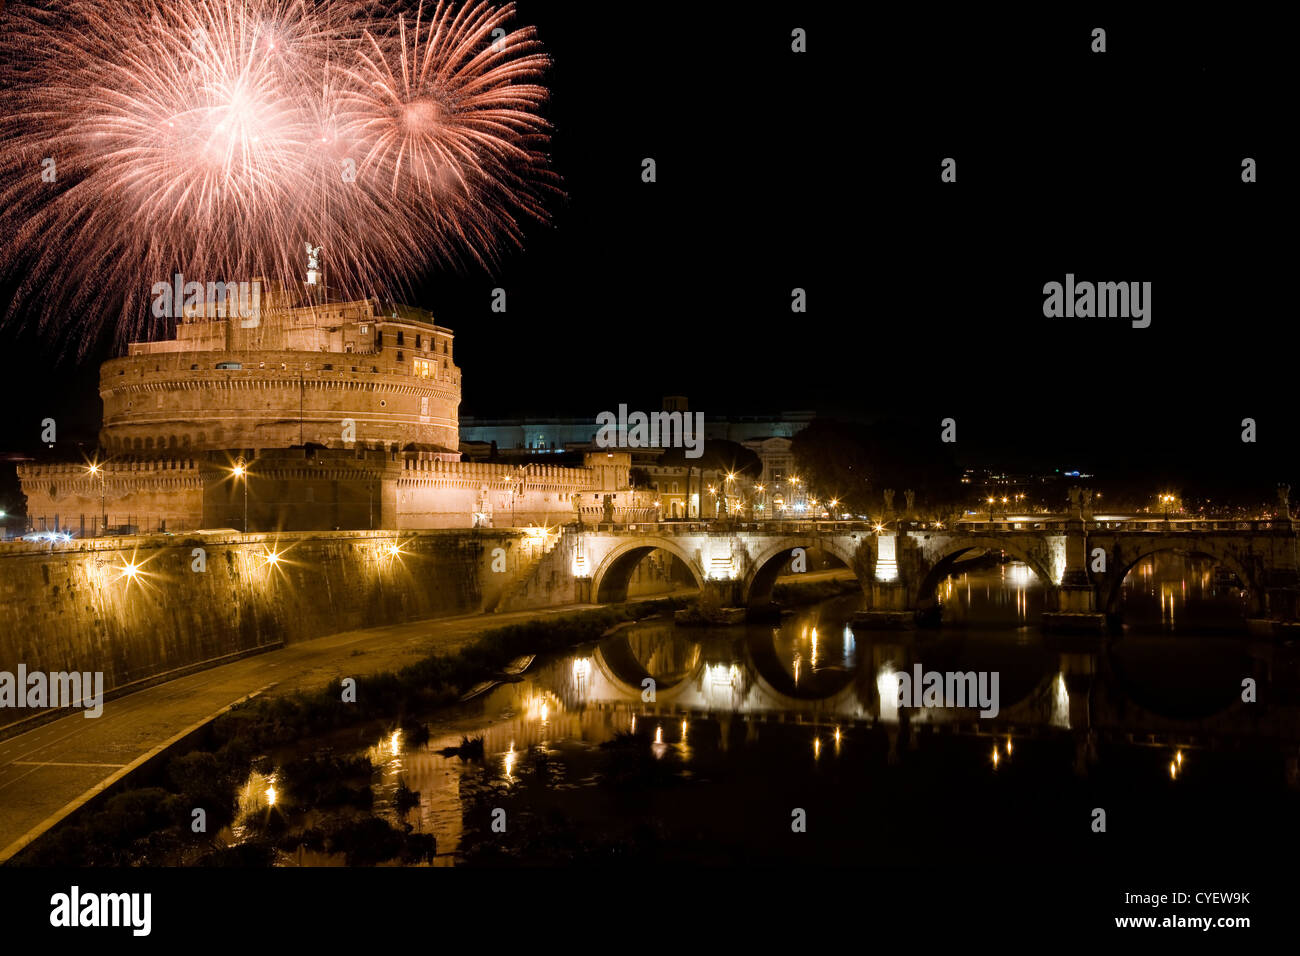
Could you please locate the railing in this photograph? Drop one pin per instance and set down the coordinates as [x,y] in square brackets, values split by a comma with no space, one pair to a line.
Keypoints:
[1153,524]
[727,526]
[1056,524]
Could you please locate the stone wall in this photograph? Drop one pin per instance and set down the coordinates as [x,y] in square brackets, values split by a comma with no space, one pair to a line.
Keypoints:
[325,490]
[71,606]
[193,401]
[143,493]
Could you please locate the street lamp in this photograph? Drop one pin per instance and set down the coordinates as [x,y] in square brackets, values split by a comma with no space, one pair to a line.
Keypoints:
[241,472]
[1166,499]
[95,469]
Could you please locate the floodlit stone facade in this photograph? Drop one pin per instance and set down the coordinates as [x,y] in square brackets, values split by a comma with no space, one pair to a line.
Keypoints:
[344,415]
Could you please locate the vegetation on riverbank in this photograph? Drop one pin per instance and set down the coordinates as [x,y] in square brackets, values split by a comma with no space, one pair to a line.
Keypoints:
[154,824]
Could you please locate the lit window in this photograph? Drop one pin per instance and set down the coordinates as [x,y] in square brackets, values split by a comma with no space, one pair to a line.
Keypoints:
[365,330]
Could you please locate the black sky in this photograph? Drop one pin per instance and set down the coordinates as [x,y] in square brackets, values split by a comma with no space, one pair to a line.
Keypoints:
[821,171]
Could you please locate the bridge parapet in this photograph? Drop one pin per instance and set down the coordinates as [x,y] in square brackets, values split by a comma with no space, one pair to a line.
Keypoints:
[1080,562]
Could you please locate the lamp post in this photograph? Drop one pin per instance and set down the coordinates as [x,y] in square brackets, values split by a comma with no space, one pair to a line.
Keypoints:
[241,472]
[96,469]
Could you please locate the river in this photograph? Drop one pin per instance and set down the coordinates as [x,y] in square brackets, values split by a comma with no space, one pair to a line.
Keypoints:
[770,744]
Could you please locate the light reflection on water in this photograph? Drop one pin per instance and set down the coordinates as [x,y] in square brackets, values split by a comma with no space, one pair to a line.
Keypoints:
[756,689]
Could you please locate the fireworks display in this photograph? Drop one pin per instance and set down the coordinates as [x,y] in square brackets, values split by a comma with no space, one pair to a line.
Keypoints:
[215,138]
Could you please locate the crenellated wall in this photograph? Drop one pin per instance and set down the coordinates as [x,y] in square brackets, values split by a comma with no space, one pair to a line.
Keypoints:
[325,490]
[166,491]
[441,494]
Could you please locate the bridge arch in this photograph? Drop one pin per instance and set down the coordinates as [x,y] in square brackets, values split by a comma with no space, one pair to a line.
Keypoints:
[767,567]
[611,578]
[954,548]
[621,665]
[778,688]
[1141,549]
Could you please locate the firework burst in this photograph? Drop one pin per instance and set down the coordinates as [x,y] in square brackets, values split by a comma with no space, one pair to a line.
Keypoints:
[215,137]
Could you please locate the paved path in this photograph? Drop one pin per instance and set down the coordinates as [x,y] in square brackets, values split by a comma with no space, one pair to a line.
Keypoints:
[48,771]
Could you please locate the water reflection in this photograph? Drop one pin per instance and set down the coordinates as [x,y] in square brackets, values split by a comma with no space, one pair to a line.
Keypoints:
[659,726]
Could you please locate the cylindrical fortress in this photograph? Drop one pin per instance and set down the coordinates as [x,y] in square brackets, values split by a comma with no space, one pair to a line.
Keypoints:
[225,400]
[274,368]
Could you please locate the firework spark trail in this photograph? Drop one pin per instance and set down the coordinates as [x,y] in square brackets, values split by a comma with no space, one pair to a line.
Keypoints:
[214,137]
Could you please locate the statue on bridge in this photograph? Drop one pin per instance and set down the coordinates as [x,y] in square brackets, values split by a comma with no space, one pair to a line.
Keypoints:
[1087,503]
[1076,501]
[910,497]
[609,510]
[1284,501]
[889,503]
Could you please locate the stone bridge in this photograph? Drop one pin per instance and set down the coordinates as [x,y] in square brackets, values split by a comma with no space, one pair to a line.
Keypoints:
[1081,562]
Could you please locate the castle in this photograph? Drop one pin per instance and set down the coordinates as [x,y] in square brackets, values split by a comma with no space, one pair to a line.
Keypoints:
[303,413]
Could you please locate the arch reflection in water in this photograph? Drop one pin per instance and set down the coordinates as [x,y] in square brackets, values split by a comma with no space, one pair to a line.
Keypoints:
[729,714]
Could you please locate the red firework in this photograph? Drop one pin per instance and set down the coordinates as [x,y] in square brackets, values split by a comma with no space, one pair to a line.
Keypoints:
[216,137]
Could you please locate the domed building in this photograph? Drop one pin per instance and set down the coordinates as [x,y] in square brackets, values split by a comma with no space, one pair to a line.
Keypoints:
[281,409]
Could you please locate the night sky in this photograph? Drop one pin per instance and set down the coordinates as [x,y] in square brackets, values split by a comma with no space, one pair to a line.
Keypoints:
[821,171]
